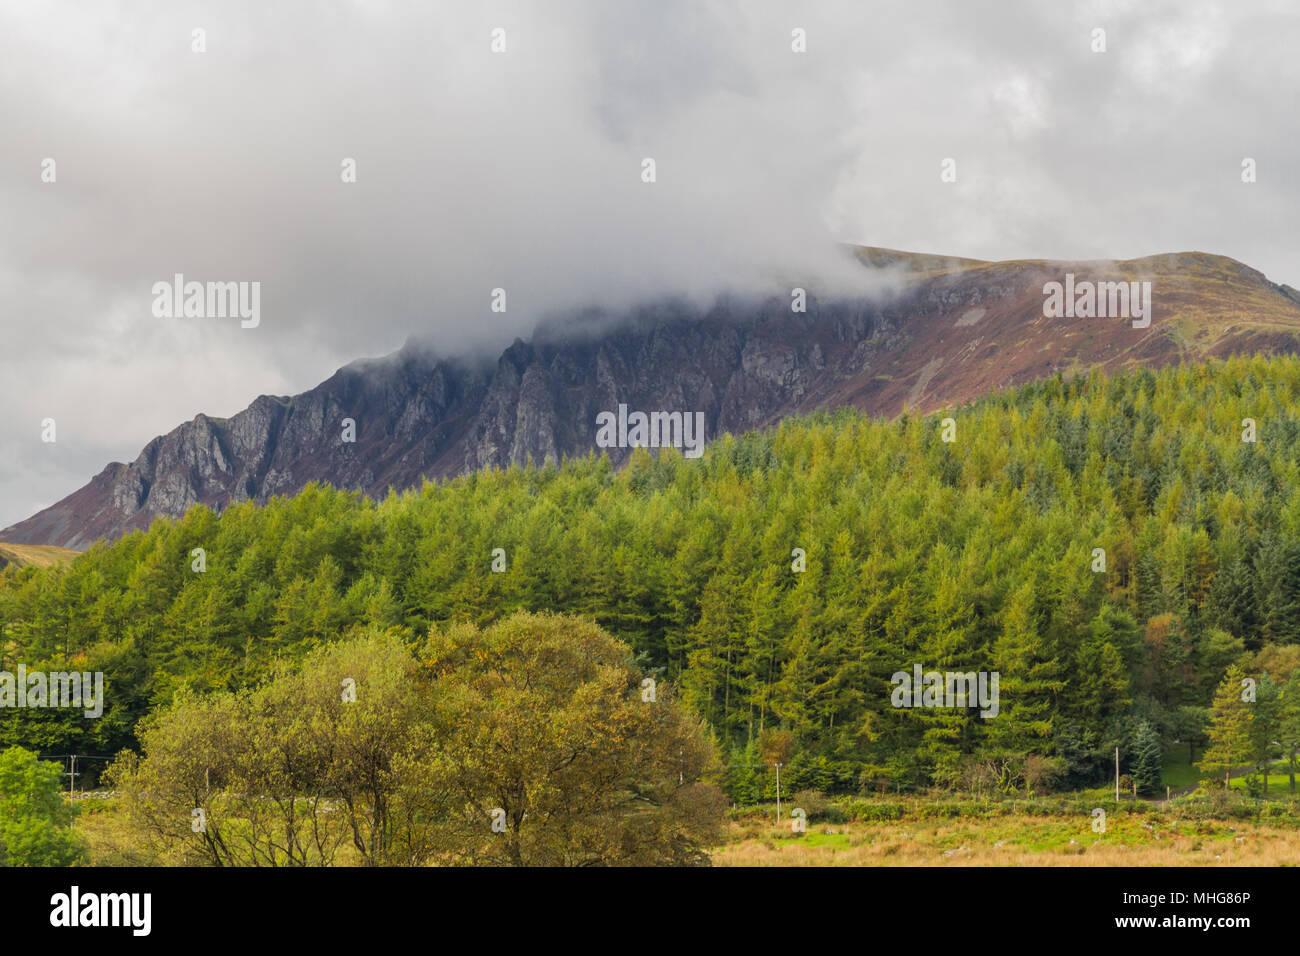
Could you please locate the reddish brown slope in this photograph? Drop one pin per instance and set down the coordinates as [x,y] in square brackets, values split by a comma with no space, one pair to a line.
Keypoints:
[973,327]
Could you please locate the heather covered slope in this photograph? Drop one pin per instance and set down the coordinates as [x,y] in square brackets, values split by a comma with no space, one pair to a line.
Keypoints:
[934,331]
[977,554]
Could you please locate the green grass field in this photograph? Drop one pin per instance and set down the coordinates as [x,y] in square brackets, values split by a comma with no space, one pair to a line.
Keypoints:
[1279,783]
[1177,772]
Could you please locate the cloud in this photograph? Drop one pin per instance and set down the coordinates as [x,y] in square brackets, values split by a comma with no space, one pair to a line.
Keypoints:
[521,170]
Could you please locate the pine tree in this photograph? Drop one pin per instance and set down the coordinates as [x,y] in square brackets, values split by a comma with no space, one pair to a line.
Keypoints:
[1264,726]
[1145,761]
[1029,678]
[1279,570]
[1230,729]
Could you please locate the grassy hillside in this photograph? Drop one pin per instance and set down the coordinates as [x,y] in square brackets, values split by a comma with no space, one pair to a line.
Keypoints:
[975,327]
[36,555]
[782,579]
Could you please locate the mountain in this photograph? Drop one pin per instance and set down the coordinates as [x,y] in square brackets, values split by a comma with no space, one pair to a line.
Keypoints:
[947,331]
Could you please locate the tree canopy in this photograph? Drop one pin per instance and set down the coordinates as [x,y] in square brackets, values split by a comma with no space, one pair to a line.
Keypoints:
[1109,543]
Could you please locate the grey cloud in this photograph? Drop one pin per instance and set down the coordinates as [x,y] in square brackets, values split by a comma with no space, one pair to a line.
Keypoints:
[521,171]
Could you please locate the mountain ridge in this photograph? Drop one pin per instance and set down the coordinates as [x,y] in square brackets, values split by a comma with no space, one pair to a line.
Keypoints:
[952,329]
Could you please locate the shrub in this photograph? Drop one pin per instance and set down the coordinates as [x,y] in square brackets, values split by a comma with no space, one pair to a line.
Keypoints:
[35,820]
[1043,774]
[818,806]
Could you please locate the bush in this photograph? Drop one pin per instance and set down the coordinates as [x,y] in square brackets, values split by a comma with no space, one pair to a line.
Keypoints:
[1043,774]
[35,820]
[818,806]
[873,811]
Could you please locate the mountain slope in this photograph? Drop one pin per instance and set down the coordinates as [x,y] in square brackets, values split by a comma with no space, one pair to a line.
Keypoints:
[42,556]
[951,330]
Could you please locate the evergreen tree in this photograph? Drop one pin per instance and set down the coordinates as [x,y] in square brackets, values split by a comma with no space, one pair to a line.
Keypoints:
[1264,727]
[1145,759]
[1230,731]
[1029,679]
[1279,590]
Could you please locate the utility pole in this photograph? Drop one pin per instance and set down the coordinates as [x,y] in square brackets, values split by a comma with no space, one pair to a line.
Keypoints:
[72,775]
[1117,775]
[778,793]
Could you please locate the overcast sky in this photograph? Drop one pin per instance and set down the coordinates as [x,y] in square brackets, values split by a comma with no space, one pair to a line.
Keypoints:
[522,170]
